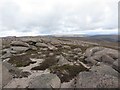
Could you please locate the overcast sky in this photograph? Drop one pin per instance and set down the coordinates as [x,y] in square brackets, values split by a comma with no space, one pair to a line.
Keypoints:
[41,17]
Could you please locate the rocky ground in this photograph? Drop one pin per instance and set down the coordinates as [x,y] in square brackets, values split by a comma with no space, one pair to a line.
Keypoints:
[49,62]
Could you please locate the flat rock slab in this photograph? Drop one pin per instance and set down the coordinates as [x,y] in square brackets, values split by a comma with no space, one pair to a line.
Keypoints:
[45,81]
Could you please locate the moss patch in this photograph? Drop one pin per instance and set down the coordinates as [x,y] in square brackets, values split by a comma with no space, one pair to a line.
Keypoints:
[49,61]
[67,72]
[20,61]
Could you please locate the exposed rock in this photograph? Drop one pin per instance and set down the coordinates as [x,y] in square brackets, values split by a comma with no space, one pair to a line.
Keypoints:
[0,75]
[19,43]
[97,58]
[66,47]
[39,52]
[105,69]
[116,66]
[100,54]
[91,60]
[84,65]
[70,52]
[7,55]
[15,72]
[13,52]
[77,50]
[38,44]
[51,54]
[75,57]
[45,81]
[90,51]
[44,49]
[107,51]
[107,59]
[68,85]
[33,47]
[96,80]
[24,74]
[19,48]
[51,47]
[62,61]
[6,76]
[79,54]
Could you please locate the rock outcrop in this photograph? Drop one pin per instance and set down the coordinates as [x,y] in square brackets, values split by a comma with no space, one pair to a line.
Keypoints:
[6,76]
[45,81]
[96,80]
[100,54]
[49,62]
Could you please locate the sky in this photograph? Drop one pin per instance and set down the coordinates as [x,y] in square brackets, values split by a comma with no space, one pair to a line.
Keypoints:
[52,17]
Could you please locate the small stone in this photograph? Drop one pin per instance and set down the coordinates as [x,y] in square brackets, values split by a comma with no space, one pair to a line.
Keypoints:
[51,54]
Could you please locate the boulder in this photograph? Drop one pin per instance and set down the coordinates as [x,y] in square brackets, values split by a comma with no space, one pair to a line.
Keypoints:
[107,59]
[7,55]
[33,47]
[6,76]
[51,47]
[41,44]
[116,66]
[105,69]
[107,51]
[77,50]
[62,60]
[91,61]
[90,51]
[19,43]
[96,80]
[19,48]
[100,54]
[45,81]
[51,54]
[79,54]
[66,47]
[15,72]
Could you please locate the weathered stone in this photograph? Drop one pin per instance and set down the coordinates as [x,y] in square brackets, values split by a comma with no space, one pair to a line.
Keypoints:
[77,50]
[107,59]
[41,44]
[19,43]
[66,47]
[101,54]
[90,51]
[6,76]
[96,80]
[116,66]
[105,69]
[51,54]
[75,57]
[79,54]
[62,61]
[33,47]
[15,72]
[45,81]
[7,55]
[19,48]
[44,49]
[91,61]
[51,47]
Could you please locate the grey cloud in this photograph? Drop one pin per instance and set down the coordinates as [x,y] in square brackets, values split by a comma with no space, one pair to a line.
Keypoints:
[59,18]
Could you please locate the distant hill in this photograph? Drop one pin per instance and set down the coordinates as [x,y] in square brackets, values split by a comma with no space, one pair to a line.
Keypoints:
[111,38]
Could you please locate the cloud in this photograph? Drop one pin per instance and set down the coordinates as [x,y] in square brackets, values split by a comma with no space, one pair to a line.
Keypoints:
[34,17]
